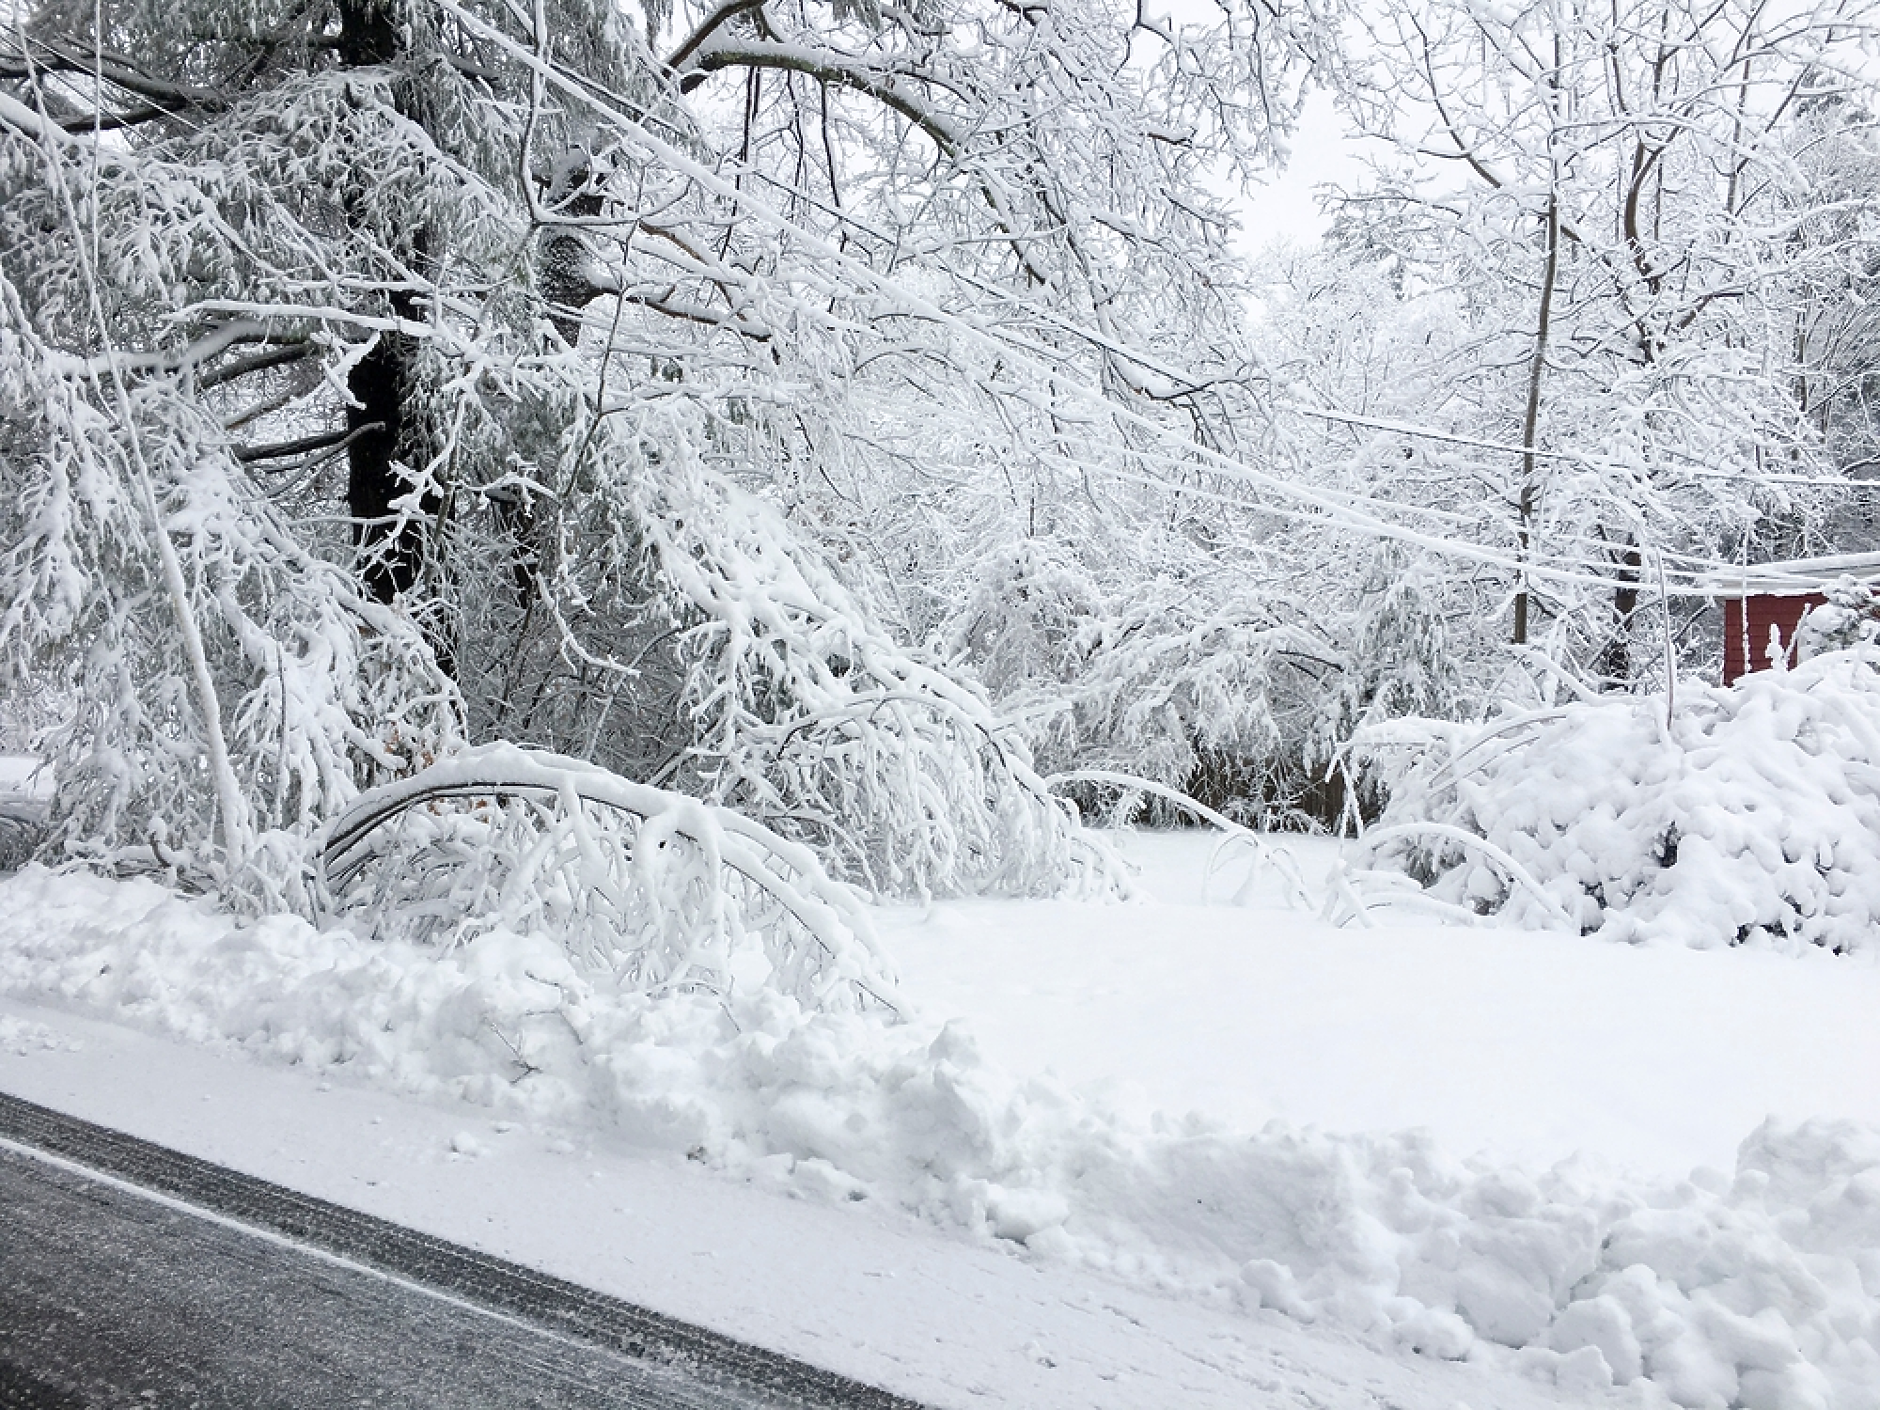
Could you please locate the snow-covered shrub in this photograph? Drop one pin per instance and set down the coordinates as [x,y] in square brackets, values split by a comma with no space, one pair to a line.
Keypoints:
[1850,617]
[19,839]
[1743,814]
[656,891]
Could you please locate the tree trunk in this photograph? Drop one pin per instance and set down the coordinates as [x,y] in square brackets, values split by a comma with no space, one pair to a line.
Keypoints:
[1537,365]
[368,33]
[565,263]
[1530,421]
[1615,657]
[390,551]
[389,544]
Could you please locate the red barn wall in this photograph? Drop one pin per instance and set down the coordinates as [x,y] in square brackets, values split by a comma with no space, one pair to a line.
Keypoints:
[1748,650]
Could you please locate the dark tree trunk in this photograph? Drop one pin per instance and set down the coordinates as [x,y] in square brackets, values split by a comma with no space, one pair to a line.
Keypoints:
[390,553]
[565,268]
[1615,658]
[390,545]
[568,278]
[1530,421]
[368,32]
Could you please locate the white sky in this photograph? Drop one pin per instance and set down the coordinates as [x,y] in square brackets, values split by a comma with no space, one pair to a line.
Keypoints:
[1288,208]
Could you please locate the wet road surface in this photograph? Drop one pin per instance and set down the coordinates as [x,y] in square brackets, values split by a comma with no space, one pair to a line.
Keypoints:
[131,1276]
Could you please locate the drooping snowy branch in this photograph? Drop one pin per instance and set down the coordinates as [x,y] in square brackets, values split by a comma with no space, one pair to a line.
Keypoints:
[656,889]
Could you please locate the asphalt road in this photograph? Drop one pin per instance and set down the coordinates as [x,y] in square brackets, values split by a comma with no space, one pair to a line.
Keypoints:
[131,1276]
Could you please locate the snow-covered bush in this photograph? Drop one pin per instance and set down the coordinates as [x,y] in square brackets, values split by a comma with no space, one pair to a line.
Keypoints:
[1850,617]
[1737,815]
[19,839]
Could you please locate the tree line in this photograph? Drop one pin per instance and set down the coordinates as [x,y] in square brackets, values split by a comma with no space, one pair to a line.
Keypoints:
[853,413]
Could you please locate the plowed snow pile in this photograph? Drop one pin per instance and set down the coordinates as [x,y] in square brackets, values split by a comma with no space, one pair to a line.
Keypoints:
[1760,1289]
[1746,815]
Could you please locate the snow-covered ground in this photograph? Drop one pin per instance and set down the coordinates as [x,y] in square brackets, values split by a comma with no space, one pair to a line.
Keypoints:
[859,1288]
[1526,1047]
[1017,1209]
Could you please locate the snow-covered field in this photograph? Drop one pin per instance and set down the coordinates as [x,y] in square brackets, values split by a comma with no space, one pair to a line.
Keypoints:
[1198,1149]
[1525,1047]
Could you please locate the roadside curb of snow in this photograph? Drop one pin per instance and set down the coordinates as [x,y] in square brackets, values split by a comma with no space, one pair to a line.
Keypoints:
[1759,1290]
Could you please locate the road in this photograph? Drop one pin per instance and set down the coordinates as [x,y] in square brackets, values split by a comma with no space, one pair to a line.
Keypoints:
[134,1276]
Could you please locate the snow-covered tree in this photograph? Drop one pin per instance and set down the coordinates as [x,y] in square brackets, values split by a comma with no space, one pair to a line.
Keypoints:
[1615,199]
[379,375]
[1834,149]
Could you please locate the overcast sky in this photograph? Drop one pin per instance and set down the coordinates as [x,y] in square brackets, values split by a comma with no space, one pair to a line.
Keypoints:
[1288,207]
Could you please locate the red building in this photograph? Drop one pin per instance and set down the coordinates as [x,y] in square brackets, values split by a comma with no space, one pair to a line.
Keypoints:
[1763,604]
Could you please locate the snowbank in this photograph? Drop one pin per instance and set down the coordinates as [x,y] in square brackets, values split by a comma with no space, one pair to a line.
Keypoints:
[1742,815]
[1761,1290]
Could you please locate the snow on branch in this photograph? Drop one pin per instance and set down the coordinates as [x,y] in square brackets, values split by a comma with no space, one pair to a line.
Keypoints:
[662,891]
[127,514]
[809,714]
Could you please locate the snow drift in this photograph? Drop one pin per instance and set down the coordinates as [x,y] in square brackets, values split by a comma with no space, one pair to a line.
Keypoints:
[1760,1289]
[1731,816]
